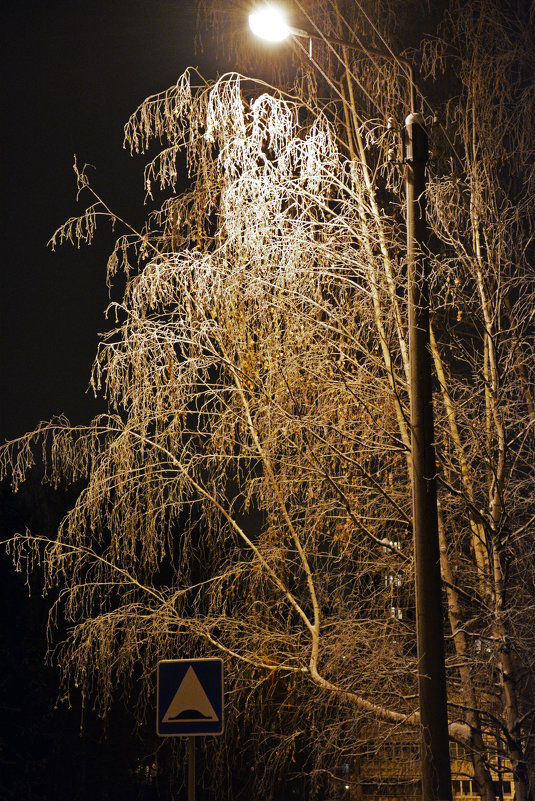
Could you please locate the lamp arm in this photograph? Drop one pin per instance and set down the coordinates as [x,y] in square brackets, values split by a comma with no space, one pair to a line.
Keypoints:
[301,33]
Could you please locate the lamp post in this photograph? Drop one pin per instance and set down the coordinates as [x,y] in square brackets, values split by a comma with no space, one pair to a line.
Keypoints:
[271,24]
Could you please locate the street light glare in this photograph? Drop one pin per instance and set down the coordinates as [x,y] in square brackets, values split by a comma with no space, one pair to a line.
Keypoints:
[270,23]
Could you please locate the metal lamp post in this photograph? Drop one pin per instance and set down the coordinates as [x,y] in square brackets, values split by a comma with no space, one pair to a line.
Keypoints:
[270,23]
[436,772]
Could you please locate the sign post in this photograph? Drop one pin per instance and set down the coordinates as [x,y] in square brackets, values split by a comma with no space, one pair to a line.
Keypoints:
[191,768]
[189,703]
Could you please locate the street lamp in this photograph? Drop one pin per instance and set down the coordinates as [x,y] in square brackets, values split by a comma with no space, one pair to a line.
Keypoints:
[436,773]
[270,23]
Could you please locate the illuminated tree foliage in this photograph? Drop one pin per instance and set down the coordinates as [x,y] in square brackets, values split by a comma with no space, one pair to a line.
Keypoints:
[247,493]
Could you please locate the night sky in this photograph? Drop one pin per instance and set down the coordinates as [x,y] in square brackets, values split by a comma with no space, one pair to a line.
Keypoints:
[73,73]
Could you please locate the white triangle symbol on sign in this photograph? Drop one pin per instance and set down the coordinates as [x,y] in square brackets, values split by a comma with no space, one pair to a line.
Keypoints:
[190,702]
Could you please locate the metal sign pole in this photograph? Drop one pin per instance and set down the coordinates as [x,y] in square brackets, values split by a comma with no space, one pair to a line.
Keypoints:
[191,768]
[189,703]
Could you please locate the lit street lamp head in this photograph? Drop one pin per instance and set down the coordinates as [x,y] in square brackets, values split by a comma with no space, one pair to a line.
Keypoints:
[269,22]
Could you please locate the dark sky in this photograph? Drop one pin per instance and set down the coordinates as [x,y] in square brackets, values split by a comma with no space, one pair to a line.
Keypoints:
[73,72]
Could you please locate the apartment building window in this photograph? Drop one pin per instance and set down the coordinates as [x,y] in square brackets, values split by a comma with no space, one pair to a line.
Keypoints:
[459,750]
[506,788]
[390,544]
[462,787]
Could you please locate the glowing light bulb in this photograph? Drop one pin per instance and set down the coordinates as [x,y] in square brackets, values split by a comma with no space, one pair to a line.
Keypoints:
[269,22]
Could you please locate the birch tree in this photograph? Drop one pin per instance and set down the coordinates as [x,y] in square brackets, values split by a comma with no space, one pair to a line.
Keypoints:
[247,492]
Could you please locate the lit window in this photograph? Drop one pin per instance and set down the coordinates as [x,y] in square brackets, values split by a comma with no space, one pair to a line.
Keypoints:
[389,545]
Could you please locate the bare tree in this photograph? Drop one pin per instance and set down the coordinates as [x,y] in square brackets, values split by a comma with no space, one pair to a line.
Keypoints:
[247,492]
